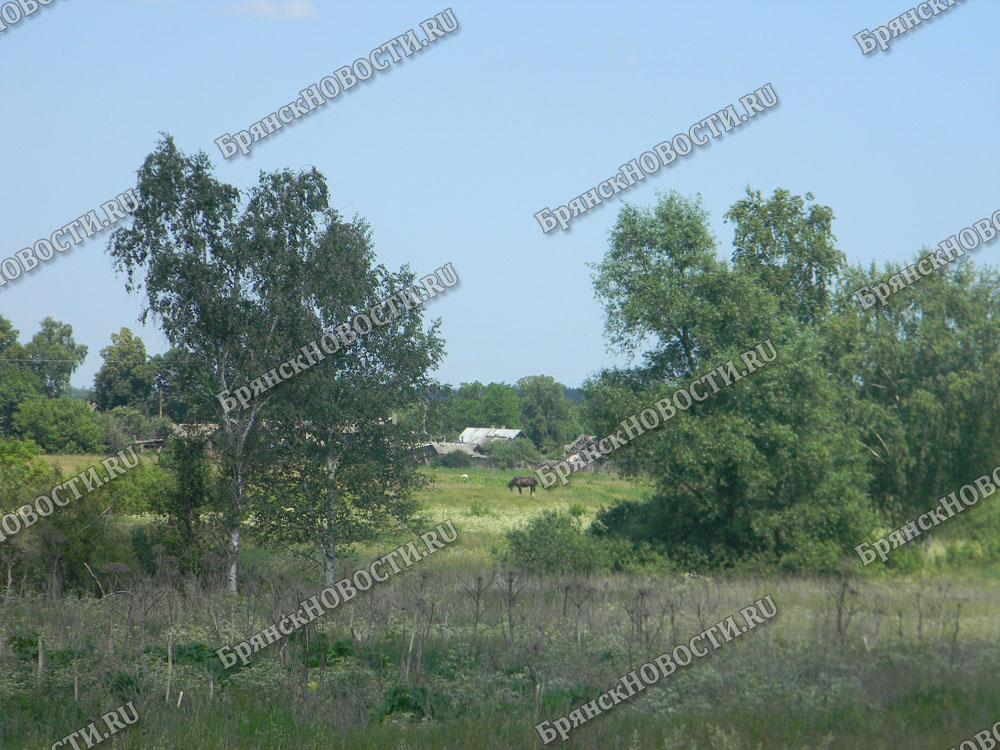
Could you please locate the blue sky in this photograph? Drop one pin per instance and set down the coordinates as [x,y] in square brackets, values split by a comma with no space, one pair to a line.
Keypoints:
[450,153]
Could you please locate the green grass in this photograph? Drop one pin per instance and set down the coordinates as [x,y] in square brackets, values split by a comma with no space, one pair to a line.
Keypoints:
[483,508]
[74,463]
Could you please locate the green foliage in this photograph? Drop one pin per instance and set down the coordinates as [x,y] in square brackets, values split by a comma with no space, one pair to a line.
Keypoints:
[545,412]
[16,388]
[923,371]
[56,551]
[554,542]
[241,262]
[453,460]
[54,356]
[443,412]
[124,686]
[760,474]
[788,248]
[767,471]
[58,425]
[657,282]
[124,425]
[430,414]
[136,489]
[478,509]
[324,651]
[80,394]
[511,454]
[538,405]
[414,703]
[125,378]
[478,405]
[23,474]
[181,383]
[142,540]
[17,382]
[189,486]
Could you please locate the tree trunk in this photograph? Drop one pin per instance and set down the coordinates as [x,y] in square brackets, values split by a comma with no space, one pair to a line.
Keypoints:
[329,555]
[329,544]
[233,555]
[235,522]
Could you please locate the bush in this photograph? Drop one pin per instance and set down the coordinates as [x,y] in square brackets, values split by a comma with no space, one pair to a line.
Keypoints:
[56,551]
[24,474]
[554,542]
[510,454]
[188,487]
[158,549]
[123,425]
[453,460]
[135,490]
[51,553]
[479,509]
[59,425]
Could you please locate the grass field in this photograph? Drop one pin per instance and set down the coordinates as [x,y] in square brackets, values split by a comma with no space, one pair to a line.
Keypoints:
[873,662]
[483,509]
[74,463]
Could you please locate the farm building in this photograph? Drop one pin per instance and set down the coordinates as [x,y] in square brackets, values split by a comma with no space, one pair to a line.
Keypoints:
[427,451]
[151,444]
[202,430]
[480,435]
[578,445]
[574,455]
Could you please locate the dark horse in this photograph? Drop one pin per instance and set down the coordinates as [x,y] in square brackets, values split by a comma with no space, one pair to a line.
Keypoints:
[520,482]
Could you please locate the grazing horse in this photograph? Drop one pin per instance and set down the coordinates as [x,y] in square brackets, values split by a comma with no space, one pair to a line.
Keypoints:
[520,482]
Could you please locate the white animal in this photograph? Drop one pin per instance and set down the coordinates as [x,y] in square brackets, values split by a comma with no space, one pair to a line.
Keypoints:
[465,477]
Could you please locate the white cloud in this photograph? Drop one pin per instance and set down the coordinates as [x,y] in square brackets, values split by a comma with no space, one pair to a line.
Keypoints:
[275,10]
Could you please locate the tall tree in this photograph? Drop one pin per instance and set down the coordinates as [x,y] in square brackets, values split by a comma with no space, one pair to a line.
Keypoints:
[345,472]
[789,247]
[178,379]
[765,471]
[466,407]
[500,406]
[545,412]
[924,371]
[234,284]
[213,288]
[430,416]
[17,382]
[658,281]
[125,378]
[477,405]
[54,356]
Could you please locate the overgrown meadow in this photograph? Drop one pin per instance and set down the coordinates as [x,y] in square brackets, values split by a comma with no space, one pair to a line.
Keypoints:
[466,650]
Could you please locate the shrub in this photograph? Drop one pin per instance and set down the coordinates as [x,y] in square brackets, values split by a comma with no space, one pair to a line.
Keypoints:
[453,460]
[478,509]
[59,425]
[24,475]
[188,486]
[415,703]
[58,549]
[510,454]
[123,425]
[554,542]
